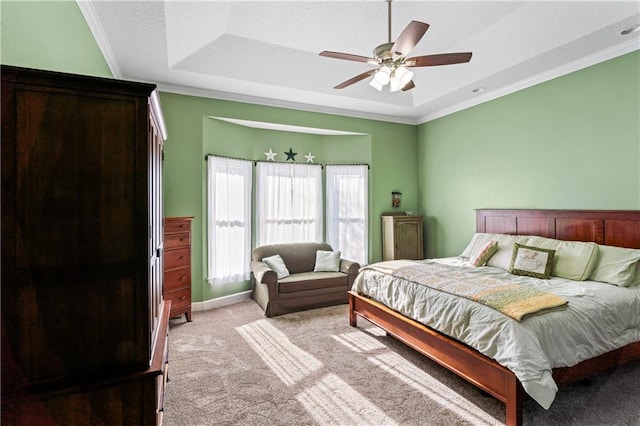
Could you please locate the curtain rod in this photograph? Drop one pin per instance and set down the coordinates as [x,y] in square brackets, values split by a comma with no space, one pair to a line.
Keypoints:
[206,157]
[255,162]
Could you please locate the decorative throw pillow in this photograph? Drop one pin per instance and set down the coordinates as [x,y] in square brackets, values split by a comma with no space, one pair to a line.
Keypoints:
[531,261]
[327,261]
[502,257]
[573,260]
[276,263]
[485,254]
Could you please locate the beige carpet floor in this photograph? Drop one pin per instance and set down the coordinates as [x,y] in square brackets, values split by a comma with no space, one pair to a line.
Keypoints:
[232,366]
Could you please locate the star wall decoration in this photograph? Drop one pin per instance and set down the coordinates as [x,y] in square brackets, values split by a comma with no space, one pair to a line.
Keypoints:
[309,157]
[271,156]
[291,155]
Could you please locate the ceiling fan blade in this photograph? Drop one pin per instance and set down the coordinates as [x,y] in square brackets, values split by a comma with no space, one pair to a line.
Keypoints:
[355,79]
[345,56]
[410,85]
[440,59]
[409,37]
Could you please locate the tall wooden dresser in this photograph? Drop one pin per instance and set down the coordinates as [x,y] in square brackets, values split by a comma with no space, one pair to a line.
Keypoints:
[177,265]
[402,237]
[84,325]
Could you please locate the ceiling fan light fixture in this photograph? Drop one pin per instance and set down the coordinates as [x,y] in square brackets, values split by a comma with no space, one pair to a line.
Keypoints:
[394,84]
[391,59]
[374,83]
[403,75]
[383,75]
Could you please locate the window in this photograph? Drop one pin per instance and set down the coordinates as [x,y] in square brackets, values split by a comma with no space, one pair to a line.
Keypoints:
[347,210]
[289,203]
[229,219]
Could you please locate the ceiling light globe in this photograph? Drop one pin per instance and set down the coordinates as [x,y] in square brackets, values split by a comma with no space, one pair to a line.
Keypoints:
[374,83]
[383,75]
[394,84]
[404,76]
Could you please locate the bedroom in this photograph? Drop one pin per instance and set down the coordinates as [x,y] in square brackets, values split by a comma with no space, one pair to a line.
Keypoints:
[582,153]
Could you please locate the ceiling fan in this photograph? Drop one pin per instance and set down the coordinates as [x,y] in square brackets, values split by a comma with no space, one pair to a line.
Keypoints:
[392,62]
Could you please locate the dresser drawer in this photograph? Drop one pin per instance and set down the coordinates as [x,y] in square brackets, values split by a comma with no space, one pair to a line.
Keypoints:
[177,258]
[179,298]
[161,380]
[177,225]
[177,278]
[182,239]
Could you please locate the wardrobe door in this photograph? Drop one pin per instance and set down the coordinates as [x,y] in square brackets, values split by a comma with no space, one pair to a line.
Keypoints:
[74,225]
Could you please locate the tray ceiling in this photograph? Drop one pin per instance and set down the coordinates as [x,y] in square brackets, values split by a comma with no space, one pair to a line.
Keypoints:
[267,52]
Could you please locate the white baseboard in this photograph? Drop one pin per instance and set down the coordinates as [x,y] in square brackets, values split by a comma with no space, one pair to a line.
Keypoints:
[220,301]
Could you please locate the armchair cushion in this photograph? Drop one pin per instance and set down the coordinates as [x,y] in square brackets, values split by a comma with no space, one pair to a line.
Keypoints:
[311,281]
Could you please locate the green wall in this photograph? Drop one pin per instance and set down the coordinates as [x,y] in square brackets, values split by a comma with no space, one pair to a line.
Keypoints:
[49,35]
[572,142]
[193,132]
[53,35]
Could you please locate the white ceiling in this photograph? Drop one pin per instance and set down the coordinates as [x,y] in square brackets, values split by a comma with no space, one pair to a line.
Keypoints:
[266,52]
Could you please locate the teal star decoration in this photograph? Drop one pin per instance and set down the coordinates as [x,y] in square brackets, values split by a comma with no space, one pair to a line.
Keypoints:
[291,155]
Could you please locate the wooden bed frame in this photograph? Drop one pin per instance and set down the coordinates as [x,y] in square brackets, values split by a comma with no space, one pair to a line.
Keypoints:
[610,227]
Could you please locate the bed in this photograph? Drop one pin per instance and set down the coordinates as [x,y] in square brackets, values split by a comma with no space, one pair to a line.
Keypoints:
[609,228]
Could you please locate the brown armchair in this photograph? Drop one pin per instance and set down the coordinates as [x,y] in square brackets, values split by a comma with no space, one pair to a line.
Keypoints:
[304,288]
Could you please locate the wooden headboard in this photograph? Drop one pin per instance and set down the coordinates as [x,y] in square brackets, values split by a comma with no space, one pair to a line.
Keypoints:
[610,227]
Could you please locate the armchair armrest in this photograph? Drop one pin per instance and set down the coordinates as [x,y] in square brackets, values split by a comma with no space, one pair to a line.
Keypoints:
[349,267]
[262,273]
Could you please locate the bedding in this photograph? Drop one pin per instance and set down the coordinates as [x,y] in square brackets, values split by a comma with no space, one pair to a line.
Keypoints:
[599,318]
[514,300]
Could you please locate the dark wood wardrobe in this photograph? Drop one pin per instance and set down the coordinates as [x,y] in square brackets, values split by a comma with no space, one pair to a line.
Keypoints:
[84,325]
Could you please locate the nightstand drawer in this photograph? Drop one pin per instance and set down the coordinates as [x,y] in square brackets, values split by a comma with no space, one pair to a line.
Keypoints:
[181,239]
[179,298]
[177,258]
[177,278]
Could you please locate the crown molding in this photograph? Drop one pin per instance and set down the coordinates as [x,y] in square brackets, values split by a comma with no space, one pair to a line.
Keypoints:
[89,13]
[298,106]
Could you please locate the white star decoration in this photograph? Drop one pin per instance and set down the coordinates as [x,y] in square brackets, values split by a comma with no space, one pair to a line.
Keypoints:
[271,156]
[309,157]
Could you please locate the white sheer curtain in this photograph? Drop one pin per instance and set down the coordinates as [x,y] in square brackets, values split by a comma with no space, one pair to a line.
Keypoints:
[229,219]
[289,203]
[348,210]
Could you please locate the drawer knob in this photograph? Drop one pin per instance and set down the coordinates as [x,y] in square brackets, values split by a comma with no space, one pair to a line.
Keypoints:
[181,257]
[183,297]
[183,277]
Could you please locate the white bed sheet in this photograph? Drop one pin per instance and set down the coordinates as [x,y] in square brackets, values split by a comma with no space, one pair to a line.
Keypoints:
[600,318]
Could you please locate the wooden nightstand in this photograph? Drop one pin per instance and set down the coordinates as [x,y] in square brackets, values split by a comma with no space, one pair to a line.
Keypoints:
[177,265]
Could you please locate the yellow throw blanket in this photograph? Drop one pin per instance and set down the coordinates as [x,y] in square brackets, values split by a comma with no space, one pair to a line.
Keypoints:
[514,300]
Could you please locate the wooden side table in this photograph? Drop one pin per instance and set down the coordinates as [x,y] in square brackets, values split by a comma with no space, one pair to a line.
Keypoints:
[402,237]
